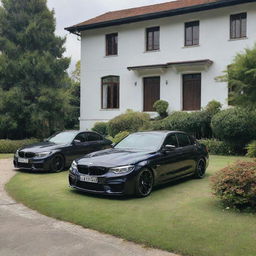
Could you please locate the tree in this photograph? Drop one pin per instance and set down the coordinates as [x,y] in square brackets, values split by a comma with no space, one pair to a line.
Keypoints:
[33,73]
[74,99]
[241,77]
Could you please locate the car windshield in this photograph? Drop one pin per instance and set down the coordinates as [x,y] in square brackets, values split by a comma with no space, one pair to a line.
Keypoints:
[63,137]
[142,141]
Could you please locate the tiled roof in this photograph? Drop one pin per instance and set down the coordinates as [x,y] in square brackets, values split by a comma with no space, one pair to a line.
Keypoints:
[127,14]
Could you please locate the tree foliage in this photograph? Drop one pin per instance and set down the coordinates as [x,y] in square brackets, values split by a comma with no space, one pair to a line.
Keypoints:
[241,77]
[33,74]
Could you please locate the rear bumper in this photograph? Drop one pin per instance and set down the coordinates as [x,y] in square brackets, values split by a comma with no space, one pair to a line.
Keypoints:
[33,164]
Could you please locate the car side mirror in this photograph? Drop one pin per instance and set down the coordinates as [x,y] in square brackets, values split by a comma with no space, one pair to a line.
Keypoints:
[169,148]
[75,142]
[113,144]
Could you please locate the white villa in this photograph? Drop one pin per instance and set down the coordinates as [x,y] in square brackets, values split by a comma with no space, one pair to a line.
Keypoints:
[171,51]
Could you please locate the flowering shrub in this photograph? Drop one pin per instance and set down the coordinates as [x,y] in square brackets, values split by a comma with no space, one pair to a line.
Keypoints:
[235,185]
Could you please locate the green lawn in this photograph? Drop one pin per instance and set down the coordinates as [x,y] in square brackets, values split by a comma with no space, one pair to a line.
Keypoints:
[5,156]
[182,218]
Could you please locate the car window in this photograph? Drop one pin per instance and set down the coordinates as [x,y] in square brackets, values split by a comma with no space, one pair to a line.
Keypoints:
[171,140]
[81,137]
[183,140]
[93,137]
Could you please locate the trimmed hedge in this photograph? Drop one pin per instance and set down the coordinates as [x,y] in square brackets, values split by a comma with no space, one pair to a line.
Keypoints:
[10,146]
[161,107]
[101,128]
[235,185]
[130,121]
[217,147]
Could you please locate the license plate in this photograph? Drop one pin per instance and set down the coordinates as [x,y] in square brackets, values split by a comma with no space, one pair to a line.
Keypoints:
[87,178]
[23,160]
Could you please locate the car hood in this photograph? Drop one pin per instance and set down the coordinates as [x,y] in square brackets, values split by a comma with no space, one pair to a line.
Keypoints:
[115,157]
[42,147]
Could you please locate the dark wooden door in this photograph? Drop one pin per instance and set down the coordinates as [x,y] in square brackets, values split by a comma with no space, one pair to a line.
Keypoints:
[151,92]
[192,92]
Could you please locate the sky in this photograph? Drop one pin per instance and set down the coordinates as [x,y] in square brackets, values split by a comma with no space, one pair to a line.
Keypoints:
[71,12]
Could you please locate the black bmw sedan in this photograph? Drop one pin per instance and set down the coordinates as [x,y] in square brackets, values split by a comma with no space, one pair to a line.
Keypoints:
[138,163]
[58,152]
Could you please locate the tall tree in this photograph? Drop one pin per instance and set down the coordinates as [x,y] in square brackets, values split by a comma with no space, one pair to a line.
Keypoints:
[32,70]
[241,77]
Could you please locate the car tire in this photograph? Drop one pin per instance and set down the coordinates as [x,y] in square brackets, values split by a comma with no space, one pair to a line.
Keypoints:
[57,163]
[200,169]
[144,183]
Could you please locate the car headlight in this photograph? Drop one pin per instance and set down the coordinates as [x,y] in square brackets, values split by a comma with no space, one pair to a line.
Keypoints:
[17,153]
[73,167]
[122,169]
[43,154]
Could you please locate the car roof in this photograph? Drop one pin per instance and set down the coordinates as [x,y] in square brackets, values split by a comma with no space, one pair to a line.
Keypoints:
[165,132]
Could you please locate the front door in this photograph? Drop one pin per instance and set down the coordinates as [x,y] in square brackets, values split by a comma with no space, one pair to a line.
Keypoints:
[151,92]
[191,92]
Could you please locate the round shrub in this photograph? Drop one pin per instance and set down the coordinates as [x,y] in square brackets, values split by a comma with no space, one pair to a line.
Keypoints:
[213,107]
[120,136]
[101,128]
[234,125]
[235,185]
[251,149]
[130,121]
[161,107]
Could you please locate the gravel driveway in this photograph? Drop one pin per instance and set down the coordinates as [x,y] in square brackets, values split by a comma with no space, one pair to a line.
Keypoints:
[26,232]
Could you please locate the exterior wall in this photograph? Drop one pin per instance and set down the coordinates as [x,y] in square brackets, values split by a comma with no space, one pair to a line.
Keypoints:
[214,45]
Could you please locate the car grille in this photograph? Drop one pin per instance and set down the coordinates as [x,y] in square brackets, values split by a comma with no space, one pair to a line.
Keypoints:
[23,165]
[26,154]
[92,170]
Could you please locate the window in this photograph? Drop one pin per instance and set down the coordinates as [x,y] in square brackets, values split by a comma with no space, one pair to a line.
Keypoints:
[171,140]
[151,92]
[191,92]
[183,140]
[93,137]
[238,25]
[153,39]
[81,137]
[192,33]
[110,92]
[111,44]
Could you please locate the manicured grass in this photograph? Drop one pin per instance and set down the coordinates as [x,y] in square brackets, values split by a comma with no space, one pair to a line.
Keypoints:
[182,217]
[5,156]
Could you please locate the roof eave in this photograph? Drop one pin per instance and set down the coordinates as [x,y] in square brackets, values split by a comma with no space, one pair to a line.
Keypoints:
[157,15]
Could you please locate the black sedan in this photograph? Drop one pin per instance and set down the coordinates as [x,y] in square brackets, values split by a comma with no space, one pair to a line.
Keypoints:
[138,163]
[58,152]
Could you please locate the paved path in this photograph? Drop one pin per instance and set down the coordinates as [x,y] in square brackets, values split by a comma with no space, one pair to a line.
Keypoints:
[24,232]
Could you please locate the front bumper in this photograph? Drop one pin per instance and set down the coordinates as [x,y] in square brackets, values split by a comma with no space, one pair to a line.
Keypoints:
[34,164]
[108,184]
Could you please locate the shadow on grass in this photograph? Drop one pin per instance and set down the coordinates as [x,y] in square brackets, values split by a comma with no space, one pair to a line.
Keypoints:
[38,172]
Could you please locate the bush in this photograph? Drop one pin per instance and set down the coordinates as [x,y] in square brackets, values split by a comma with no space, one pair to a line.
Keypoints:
[120,136]
[213,107]
[236,185]
[130,121]
[251,149]
[10,146]
[161,107]
[101,128]
[234,125]
[195,123]
[217,147]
